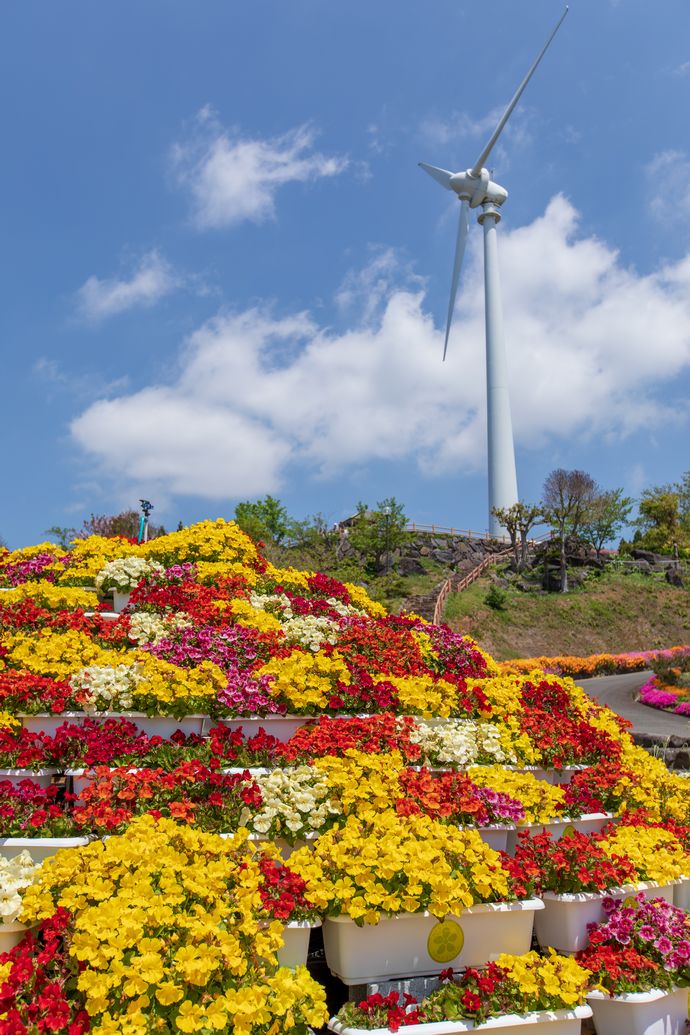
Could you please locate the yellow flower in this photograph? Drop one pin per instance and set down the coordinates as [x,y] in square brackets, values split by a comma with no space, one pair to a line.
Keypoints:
[306,680]
[168,992]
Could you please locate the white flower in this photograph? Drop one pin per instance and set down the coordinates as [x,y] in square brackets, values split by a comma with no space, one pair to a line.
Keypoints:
[124,573]
[460,742]
[15,876]
[147,627]
[295,799]
[108,687]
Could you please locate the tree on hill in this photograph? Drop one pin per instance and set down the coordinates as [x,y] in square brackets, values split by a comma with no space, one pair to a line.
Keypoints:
[375,533]
[607,515]
[566,500]
[266,519]
[660,523]
[125,524]
[518,521]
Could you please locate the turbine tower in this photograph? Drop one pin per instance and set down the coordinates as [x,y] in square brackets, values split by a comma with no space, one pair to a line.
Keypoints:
[474,189]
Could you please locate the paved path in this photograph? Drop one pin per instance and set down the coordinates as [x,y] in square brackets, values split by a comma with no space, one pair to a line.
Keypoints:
[617,692]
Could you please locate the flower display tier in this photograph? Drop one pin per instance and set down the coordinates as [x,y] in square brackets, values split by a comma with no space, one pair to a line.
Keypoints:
[240,752]
[548,1022]
[417,943]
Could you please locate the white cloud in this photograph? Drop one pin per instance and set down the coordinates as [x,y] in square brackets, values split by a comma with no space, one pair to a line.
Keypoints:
[152,279]
[668,175]
[233,178]
[593,349]
[682,69]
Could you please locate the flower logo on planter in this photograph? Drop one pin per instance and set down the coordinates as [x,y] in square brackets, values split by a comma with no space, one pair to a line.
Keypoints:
[630,902]
[568,831]
[445,941]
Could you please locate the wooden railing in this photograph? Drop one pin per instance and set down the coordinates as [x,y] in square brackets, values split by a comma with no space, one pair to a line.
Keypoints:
[465,533]
[468,533]
[455,585]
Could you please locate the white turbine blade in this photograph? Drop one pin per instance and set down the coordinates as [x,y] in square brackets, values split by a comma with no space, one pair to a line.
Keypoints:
[481,161]
[463,227]
[441,176]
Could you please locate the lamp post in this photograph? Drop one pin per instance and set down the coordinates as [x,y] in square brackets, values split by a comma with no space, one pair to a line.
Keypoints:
[387,533]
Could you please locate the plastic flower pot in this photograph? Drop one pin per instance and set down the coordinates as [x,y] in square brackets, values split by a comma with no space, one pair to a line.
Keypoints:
[550,1022]
[413,943]
[590,823]
[39,848]
[41,777]
[562,925]
[282,727]
[11,935]
[120,601]
[640,1013]
[44,722]
[296,943]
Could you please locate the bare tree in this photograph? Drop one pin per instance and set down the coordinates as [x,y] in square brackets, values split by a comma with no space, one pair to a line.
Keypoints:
[566,500]
[517,521]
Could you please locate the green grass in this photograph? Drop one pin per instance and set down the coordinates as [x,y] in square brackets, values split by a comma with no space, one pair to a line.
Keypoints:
[610,613]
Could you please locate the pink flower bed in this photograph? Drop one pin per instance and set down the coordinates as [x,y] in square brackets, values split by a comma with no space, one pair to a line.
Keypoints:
[654,696]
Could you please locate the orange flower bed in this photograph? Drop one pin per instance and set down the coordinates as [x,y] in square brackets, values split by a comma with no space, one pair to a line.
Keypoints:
[593,665]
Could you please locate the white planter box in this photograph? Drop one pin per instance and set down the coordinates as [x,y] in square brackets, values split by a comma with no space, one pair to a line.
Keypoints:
[160,725]
[552,776]
[45,722]
[496,837]
[152,725]
[296,943]
[39,848]
[640,1013]
[681,893]
[281,727]
[548,1022]
[562,924]
[590,823]
[41,777]
[120,600]
[396,947]
[81,779]
[253,771]
[281,844]
[11,935]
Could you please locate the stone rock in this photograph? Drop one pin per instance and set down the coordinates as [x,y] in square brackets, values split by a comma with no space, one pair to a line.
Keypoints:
[443,556]
[674,577]
[410,566]
[424,551]
[656,560]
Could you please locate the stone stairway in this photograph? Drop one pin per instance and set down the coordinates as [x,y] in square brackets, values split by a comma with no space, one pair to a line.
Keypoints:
[423,605]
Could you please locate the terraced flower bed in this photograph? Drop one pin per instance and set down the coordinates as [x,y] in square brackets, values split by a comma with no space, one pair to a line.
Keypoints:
[402,766]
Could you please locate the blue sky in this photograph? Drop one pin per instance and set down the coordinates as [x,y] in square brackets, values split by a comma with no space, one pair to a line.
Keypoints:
[224,274]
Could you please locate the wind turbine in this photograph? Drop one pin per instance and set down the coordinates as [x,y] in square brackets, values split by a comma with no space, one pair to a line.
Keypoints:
[475,189]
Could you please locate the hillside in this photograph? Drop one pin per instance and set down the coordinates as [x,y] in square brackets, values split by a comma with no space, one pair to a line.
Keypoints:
[613,613]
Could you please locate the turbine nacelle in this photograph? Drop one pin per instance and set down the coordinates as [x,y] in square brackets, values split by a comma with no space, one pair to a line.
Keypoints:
[477,190]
